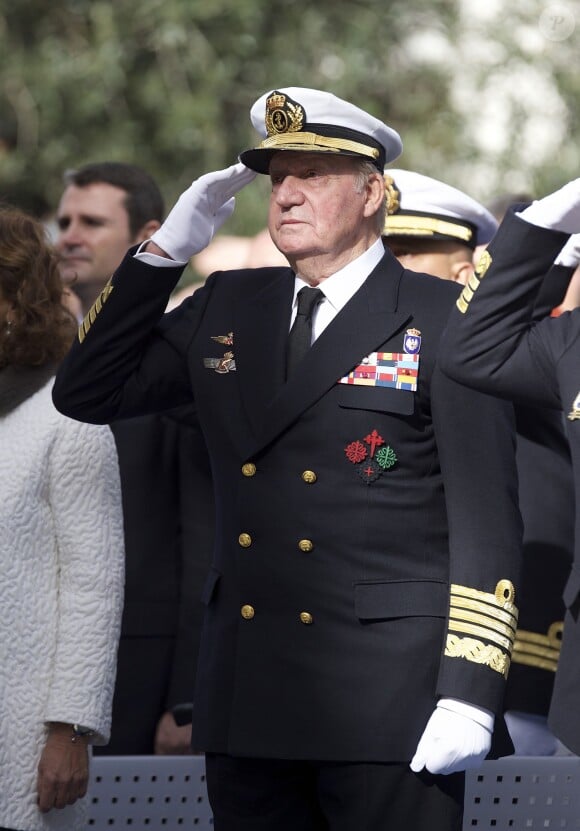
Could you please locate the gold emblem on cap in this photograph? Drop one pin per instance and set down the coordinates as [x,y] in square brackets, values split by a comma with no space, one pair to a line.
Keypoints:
[283,115]
[392,195]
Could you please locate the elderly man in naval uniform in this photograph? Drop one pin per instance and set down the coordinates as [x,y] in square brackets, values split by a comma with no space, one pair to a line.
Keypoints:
[361,606]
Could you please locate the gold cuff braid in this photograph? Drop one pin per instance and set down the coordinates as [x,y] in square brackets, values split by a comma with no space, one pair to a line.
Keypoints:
[491,617]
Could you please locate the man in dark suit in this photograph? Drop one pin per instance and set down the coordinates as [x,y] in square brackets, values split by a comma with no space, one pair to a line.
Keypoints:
[360,609]
[495,344]
[105,208]
[435,229]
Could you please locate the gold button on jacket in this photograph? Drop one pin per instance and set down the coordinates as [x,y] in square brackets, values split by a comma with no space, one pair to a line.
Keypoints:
[306,617]
[305,545]
[309,477]
[248,612]
[245,540]
[249,469]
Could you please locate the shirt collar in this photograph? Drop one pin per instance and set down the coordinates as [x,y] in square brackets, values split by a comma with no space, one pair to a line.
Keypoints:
[343,284]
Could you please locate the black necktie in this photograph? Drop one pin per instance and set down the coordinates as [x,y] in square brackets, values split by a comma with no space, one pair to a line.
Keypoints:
[300,337]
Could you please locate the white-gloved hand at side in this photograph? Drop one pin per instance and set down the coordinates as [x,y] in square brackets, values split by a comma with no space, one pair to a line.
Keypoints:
[200,211]
[570,253]
[457,737]
[559,211]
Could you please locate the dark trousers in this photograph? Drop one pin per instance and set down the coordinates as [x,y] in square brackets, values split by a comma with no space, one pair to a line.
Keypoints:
[278,795]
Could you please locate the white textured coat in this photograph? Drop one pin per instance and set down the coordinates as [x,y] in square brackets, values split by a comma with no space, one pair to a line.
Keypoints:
[61,561]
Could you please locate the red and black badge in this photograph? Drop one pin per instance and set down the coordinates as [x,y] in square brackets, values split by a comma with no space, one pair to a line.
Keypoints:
[372,456]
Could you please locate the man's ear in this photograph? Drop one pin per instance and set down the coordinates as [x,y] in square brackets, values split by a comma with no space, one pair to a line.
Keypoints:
[375,194]
[147,230]
[461,271]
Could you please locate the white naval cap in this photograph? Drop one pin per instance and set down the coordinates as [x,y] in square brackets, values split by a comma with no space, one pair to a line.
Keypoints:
[422,207]
[312,121]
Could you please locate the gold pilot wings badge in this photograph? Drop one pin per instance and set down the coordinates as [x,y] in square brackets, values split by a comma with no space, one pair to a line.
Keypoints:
[226,363]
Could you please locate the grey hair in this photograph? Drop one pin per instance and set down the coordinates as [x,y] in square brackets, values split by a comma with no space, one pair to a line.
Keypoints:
[363,173]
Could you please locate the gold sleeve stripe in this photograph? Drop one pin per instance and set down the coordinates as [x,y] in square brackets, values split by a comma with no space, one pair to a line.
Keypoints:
[491,618]
[91,315]
[536,650]
[502,598]
[473,283]
[483,609]
[461,304]
[464,299]
[482,632]
[478,652]
[304,140]
[546,662]
[484,622]
[552,638]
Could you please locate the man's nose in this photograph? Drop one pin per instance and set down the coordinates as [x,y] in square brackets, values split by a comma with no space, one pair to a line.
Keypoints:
[68,237]
[289,191]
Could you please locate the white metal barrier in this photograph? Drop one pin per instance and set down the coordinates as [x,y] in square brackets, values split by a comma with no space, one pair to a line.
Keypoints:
[152,792]
[169,792]
[521,793]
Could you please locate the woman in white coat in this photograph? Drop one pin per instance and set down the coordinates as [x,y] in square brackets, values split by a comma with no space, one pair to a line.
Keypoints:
[61,553]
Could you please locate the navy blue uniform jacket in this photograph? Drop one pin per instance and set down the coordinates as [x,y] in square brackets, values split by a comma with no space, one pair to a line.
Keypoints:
[345,596]
[493,343]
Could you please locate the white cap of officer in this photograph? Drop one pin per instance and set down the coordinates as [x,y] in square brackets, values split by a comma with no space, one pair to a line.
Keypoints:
[425,208]
[312,121]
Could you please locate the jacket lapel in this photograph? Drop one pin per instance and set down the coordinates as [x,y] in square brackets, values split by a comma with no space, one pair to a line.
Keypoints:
[262,322]
[368,320]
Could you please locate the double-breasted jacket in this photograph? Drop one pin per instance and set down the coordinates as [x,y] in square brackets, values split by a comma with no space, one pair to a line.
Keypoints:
[368,538]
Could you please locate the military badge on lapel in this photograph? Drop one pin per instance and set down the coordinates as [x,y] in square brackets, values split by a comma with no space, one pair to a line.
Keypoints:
[372,460]
[399,370]
[412,341]
[226,363]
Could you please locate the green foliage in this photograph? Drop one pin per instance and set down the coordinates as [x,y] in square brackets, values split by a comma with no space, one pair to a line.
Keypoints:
[168,84]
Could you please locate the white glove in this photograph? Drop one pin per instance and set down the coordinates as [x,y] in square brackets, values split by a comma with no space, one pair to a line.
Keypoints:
[200,211]
[560,211]
[570,254]
[457,737]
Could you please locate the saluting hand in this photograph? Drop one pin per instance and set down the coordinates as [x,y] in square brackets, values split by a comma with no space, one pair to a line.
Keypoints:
[559,211]
[200,211]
